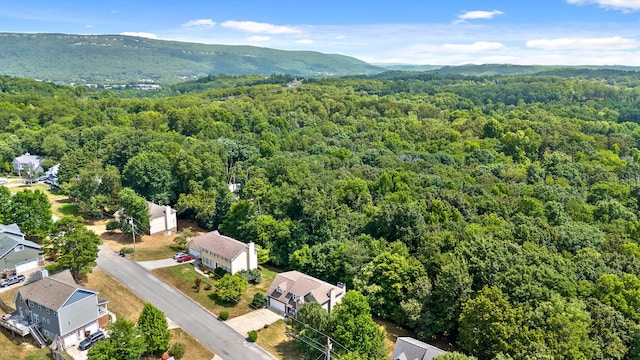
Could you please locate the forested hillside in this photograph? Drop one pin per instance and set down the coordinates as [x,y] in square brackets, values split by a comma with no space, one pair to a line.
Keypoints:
[499,211]
[118,59]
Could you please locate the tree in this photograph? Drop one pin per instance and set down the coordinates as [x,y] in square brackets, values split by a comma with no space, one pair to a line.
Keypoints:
[229,289]
[312,321]
[153,326]
[488,324]
[74,243]
[125,342]
[133,208]
[353,327]
[31,210]
[150,175]
[454,356]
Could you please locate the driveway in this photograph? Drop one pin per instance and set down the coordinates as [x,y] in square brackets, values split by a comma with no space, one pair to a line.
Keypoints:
[190,316]
[30,276]
[156,264]
[254,320]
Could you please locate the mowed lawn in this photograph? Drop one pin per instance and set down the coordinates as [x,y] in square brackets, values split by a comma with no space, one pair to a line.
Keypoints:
[183,277]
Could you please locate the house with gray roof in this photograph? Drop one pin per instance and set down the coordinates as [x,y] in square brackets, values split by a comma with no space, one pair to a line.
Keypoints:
[17,255]
[60,308]
[408,348]
[215,250]
[162,219]
[32,164]
[291,289]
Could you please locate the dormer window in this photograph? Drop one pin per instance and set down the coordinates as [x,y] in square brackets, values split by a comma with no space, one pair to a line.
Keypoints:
[295,297]
[279,290]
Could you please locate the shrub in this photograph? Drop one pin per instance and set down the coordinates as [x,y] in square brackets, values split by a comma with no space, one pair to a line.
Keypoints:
[177,350]
[207,286]
[259,300]
[127,250]
[229,289]
[253,276]
[112,225]
[220,272]
[224,315]
[253,336]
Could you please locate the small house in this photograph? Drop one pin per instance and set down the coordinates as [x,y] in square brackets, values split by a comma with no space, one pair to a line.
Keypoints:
[215,250]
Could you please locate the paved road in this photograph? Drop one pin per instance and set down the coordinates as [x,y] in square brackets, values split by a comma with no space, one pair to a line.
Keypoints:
[200,323]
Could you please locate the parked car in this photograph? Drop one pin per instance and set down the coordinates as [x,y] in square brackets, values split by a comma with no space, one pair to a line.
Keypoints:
[184,258]
[13,279]
[88,342]
[176,256]
[6,317]
[31,181]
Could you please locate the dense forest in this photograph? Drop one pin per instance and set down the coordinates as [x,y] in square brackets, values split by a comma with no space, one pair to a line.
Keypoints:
[500,212]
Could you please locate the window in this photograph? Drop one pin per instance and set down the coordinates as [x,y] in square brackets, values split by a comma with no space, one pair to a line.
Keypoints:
[295,297]
[55,314]
[39,307]
[279,290]
[48,321]
[48,311]
[46,333]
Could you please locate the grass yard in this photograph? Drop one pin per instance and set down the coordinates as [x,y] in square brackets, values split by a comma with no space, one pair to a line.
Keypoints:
[276,340]
[182,277]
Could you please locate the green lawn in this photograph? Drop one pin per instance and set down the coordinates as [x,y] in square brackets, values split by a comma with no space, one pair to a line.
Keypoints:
[156,253]
[182,277]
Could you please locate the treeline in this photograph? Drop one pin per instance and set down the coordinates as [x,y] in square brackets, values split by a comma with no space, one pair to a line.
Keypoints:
[499,211]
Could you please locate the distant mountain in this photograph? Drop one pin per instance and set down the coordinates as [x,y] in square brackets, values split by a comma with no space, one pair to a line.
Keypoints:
[119,59]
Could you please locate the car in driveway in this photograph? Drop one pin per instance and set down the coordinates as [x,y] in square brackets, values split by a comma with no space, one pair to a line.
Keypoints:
[176,256]
[88,342]
[13,279]
[184,258]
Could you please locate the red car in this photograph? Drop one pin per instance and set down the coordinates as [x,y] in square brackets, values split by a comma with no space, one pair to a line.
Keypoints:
[184,258]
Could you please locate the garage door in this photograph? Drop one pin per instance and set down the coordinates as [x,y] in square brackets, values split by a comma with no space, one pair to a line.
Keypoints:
[70,339]
[24,267]
[276,305]
[194,252]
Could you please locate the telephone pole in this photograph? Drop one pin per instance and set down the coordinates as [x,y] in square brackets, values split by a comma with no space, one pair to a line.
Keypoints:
[329,346]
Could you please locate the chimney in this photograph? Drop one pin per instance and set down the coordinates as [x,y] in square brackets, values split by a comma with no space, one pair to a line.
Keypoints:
[332,299]
[252,256]
[168,221]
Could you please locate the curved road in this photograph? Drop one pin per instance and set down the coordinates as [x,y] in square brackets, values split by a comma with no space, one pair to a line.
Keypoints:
[190,316]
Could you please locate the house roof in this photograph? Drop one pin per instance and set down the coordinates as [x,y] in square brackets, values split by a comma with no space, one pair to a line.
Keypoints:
[52,291]
[29,159]
[10,236]
[219,244]
[408,348]
[157,211]
[304,286]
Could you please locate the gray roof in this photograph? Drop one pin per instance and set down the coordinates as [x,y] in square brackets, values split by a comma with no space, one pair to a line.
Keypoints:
[52,291]
[219,244]
[34,160]
[307,288]
[10,236]
[157,211]
[408,348]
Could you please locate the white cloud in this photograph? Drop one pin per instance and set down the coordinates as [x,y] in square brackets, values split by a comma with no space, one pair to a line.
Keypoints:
[88,26]
[304,41]
[256,27]
[259,38]
[478,14]
[140,34]
[584,44]
[199,23]
[624,5]
[478,46]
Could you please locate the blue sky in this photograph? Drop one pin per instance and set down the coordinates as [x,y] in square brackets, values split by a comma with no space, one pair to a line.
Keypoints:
[569,32]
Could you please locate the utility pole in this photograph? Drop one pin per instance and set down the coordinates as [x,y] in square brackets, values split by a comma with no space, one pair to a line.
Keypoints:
[133,233]
[329,346]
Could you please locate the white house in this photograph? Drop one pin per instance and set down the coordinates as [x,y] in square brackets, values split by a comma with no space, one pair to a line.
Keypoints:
[162,220]
[29,163]
[218,251]
[291,289]
[408,348]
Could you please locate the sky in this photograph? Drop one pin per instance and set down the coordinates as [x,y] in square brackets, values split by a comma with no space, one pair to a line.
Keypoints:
[420,32]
